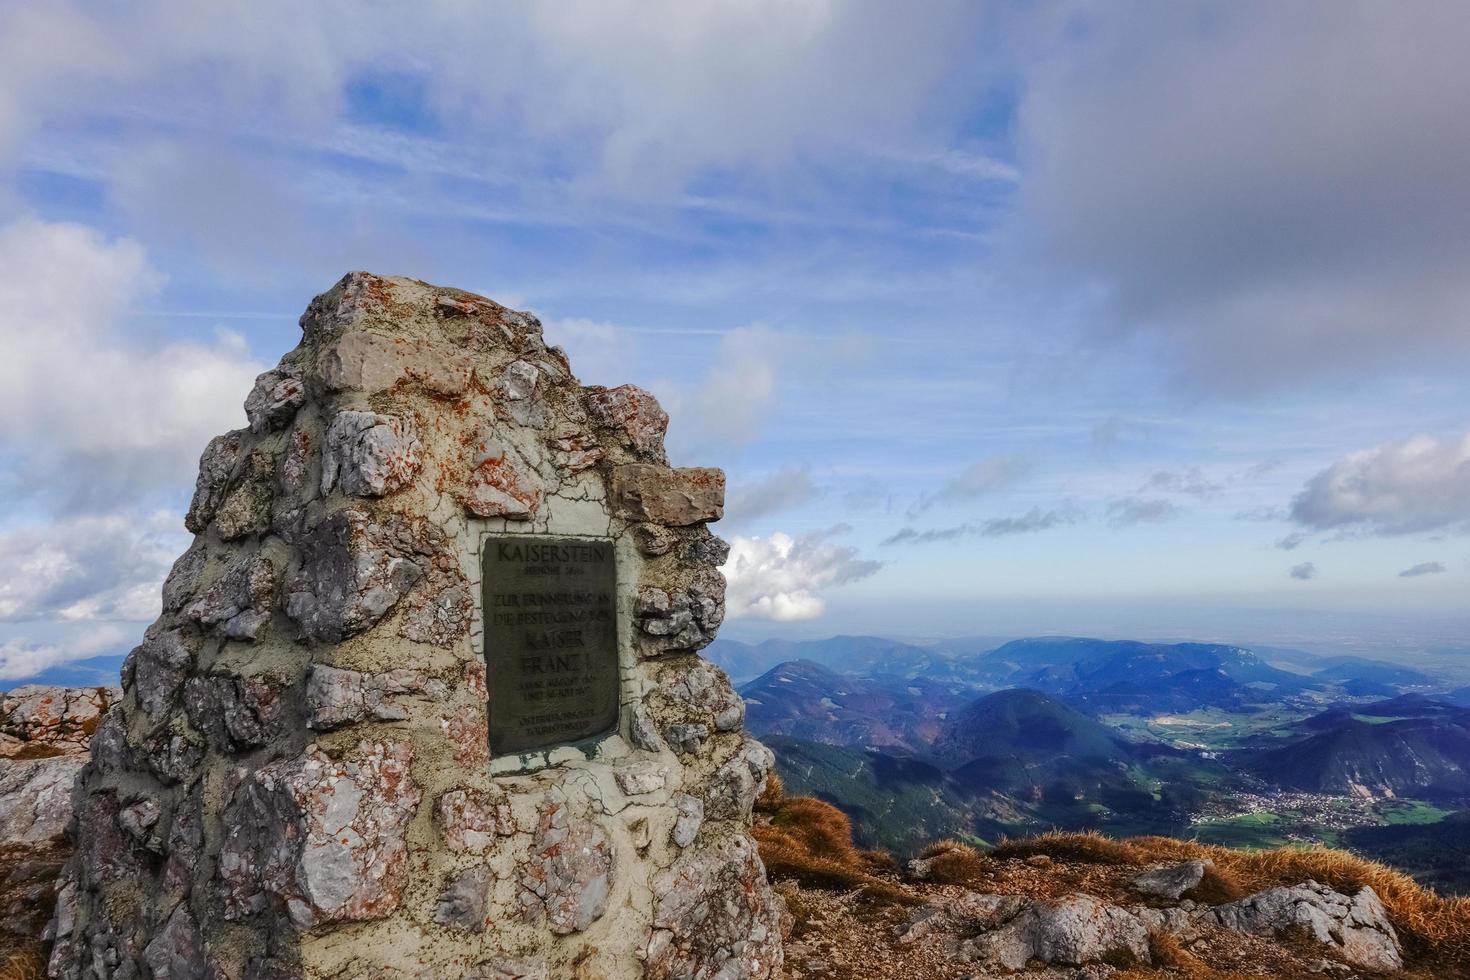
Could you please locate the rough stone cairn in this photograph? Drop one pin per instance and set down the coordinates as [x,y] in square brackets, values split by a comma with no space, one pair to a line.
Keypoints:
[297,780]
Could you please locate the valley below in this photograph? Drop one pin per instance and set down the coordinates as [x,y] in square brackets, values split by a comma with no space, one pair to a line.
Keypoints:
[1218,744]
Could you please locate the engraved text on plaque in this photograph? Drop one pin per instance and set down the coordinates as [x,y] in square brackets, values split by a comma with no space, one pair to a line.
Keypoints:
[551,641]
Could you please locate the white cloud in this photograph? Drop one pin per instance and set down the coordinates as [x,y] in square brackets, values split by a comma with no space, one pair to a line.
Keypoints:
[781,577]
[1270,191]
[634,96]
[1417,484]
[92,416]
[108,567]
[20,657]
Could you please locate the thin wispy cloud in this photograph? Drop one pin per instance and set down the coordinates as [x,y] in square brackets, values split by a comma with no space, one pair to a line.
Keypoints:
[1190,481]
[1132,511]
[779,491]
[1034,520]
[982,477]
[1424,568]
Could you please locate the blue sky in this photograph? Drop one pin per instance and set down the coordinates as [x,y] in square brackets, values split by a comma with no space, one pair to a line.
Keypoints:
[1001,317]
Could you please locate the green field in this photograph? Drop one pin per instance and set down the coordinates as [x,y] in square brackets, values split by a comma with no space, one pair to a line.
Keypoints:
[1326,822]
[1209,728]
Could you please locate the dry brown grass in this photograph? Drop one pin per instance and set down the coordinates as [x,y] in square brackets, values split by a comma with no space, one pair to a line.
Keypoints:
[808,841]
[27,962]
[770,799]
[1167,952]
[1439,924]
[953,862]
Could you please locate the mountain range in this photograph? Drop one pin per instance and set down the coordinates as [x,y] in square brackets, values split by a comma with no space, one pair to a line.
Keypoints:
[1124,737]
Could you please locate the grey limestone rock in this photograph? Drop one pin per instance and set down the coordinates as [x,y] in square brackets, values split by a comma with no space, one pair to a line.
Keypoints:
[246,508]
[690,819]
[274,400]
[703,688]
[215,467]
[1171,881]
[326,837]
[570,869]
[635,415]
[35,798]
[463,902]
[354,570]
[237,713]
[1073,930]
[735,785]
[1357,926]
[239,602]
[177,952]
[161,664]
[686,737]
[336,697]
[369,455]
[715,916]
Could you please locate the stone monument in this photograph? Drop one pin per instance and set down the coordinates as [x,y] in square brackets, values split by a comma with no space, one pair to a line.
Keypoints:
[424,699]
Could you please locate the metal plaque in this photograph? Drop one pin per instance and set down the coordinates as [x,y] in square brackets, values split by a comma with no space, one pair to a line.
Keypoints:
[551,641]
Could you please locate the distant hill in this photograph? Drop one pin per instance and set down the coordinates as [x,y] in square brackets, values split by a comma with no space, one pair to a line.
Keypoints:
[1365,672]
[1028,727]
[806,700]
[1412,757]
[1130,676]
[896,802]
[1065,769]
[844,654]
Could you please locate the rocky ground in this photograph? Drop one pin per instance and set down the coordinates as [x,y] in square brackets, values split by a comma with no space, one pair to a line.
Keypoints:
[1080,907]
[44,732]
[954,932]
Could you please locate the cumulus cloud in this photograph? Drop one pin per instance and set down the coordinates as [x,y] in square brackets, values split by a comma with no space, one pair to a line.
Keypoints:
[103,567]
[1130,511]
[1310,223]
[780,491]
[1417,484]
[1303,572]
[781,577]
[93,417]
[1032,521]
[20,657]
[1423,568]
